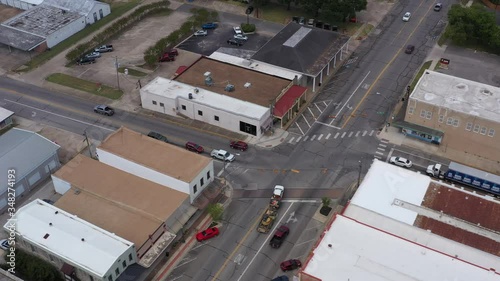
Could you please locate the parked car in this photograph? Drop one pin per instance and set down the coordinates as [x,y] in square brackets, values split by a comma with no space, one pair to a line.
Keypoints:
[302,20]
[290,265]
[240,37]
[201,32]
[104,109]
[158,136]
[85,60]
[438,7]
[409,49]
[249,10]
[240,145]
[48,201]
[222,155]
[237,30]
[172,52]
[4,244]
[93,55]
[104,49]
[191,146]
[407,16]
[207,234]
[400,161]
[279,236]
[310,22]
[235,42]
[278,192]
[209,25]
[281,278]
[166,57]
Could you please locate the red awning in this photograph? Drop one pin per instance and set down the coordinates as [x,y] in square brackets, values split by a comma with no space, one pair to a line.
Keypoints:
[288,100]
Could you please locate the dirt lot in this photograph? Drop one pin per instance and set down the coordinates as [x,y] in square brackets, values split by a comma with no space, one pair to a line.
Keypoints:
[7,12]
[10,57]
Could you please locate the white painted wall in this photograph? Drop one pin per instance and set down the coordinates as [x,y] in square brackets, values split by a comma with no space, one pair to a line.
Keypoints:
[18,4]
[197,181]
[61,186]
[106,10]
[66,31]
[118,264]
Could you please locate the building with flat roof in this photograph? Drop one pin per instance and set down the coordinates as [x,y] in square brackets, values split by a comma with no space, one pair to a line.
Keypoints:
[455,113]
[157,161]
[80,249]
[22,4]
[236,98]
[133,208]
[417,223]
[5,118]
[92,10]
[31,158]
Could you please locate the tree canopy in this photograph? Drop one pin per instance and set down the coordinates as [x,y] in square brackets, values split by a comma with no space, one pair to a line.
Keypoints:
[333,10]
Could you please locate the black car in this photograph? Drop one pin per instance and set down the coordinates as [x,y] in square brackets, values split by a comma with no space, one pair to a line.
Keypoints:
[409,49]
[158,136]
[85,60]
[281,278]
[438,7]
[235,42]
[249,10]
[104,109]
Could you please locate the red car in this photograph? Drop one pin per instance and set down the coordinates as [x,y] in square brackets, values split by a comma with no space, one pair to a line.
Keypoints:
[240,145]
[207,234]
[290,265]
[167,57]
[172,52]
[191,146]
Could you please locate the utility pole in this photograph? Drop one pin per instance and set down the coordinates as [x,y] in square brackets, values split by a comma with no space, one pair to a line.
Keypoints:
[117,77]
[88,143]
[359,174]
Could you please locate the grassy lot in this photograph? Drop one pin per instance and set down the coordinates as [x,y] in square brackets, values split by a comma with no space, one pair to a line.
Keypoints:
[132,72]
[278,13]
[117,10]
[84,85]
[420,73]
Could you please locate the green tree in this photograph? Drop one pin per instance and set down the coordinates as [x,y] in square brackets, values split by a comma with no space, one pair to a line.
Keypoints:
[288,3]
[339,11]
[216,211]
[34,268]
[313,6]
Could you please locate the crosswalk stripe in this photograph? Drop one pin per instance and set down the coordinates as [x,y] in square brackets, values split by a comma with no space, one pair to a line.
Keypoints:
[378,157]
[380,153]
[384,141]
[336,135]
[306,138]
[371,133]
[343,135]
[382,145]
[380,148]
[313,137]
[350,134]
[320,136]
[364,133]
[291,140]
[298,139]
[357,133]
[328,136]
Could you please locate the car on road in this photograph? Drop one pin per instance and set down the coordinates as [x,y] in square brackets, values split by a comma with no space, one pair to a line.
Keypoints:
[409,49]
[237,30]
[240,145]
[234,42]
[4,244]
[278,192]
[279,236]
[400,161]
[438,7]
[158,136]
[104,49]
[85,60]
[407,16]
[222,155]
[93,55]
[166,57]
[209,25]
[281,278]
[201,32]
[207,234]
[104,109]
[240,37]
[290,265]
[191,146]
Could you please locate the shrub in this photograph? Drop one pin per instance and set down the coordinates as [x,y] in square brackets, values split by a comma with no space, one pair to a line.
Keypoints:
[248,27]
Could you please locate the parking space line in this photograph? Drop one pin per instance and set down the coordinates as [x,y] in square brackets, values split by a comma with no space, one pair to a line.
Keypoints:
[328,125]
[364,133]
[299,128]
[371,133]
[313,137]
[336,135]
[350,134]
[318,108]
[357,133]
[291,140]
[343,135]
[320,136]
[306,138]
[312,113]
[306,121]
[328,136]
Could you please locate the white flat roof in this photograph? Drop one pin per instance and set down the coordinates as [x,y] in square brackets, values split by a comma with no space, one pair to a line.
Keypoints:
[172,89]
[384,183]
[458,94]
[5,113]
[361,252]
[255,65]
[97,254]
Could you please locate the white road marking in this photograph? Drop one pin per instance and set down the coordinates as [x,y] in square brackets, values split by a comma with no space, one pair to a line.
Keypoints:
[320,136]
[343,135]
[382,145]
[347,101]
[378,157]
[299,201]
[306,138]
[378,152]
[328,125]
[299,128]
[221,171]
[328,136]
[357,133]
[380,148]
[384,141]
[305,242]
[364,133]
[306,120]
[371,133]
[291,140]
[179,265]
[318,108]
[336,135]
[313,137]
[350,134]
[298,139]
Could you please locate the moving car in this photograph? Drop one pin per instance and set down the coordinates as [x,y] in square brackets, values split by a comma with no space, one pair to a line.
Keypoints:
[85,60]
[235,42]
[278,191]
[158,136]
[93,55]
[290,265]
[438,7]
[104,49]
[240,37]
[279,236]
[407,16]
[222,155]
[207,234]
[4,244]
[240,145]
[191,146]
[409,49]
[104,109]
[201,32]
[209,25]
[237,30]
[400,161]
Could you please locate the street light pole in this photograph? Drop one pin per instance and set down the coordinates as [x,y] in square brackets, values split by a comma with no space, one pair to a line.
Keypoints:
[117,77]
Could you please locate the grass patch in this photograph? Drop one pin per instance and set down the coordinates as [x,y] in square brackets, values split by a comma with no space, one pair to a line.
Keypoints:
[278,13]
[132,72]
[424,67]
[84,85]
[368,28]
[117,10]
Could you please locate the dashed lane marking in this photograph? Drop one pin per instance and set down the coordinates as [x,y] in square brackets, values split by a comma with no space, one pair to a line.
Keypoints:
[291,140]
[364,133]
[357,133]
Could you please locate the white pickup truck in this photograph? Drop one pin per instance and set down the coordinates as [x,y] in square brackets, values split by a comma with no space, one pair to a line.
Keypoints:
[222,155]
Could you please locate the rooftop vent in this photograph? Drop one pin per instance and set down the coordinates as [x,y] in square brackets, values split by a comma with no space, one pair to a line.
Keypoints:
[57,212]
[50,223]
[207,74]
[190,96]
[486,92]
[229,88]
[46,236]
[209,81]
[83,239]
[247,85]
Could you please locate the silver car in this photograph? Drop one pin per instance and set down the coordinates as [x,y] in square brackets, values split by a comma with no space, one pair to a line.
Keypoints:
[201,32]
[93,55]
[240,37]
[407,16]
[400,161]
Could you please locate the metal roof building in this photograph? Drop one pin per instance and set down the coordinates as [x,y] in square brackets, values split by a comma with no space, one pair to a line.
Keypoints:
[5,117]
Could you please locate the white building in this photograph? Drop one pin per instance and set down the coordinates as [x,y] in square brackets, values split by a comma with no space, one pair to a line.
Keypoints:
[90,9]
[78,248]
[5,117]
[401,225]
[22,4]
[156,161]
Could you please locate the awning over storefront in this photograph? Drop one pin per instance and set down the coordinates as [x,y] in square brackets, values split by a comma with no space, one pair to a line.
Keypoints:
[415,127]
[288,100]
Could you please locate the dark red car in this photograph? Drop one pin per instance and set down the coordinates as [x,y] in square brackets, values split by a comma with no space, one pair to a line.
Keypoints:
[191,146]
[207,234]
[290,265]
[172,52]
[240,145]
[166,57]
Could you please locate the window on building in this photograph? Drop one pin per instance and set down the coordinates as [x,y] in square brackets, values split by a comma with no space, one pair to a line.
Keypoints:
[455,122]
[110,278]
[476,128]
[449,121]
[129,257]
[491,133]
[183,107]
[469,126]
[161,104]
[216,118]
[195,188]
[208,175]
[483,131]
[423,113]
[411,110]
[202,181]
[200,112]
[441,118]
[117,271]
[154,102]
[91,278]
[124,264]
[429,115]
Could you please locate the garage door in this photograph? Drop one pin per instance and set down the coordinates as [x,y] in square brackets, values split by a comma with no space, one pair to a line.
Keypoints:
[3,202]
[19,189]
[34,178]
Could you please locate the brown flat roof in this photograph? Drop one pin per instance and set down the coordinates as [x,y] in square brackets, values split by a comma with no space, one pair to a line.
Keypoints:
[473,209]
[264,88]
[162,157]
[116,201]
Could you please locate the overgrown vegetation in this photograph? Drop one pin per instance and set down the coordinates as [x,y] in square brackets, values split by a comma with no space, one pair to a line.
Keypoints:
[199,17]
[247,28]
[117,28]
[473,27]
[30,267]
[326,10]
[84,85]
[216,211]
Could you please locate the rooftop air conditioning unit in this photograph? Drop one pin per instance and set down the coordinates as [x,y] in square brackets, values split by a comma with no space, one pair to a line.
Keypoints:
[229,88]
[247,85]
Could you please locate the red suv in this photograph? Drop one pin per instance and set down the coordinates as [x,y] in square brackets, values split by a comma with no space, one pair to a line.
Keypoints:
[290,265]
[191,146]
[239,145]
[166,57]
